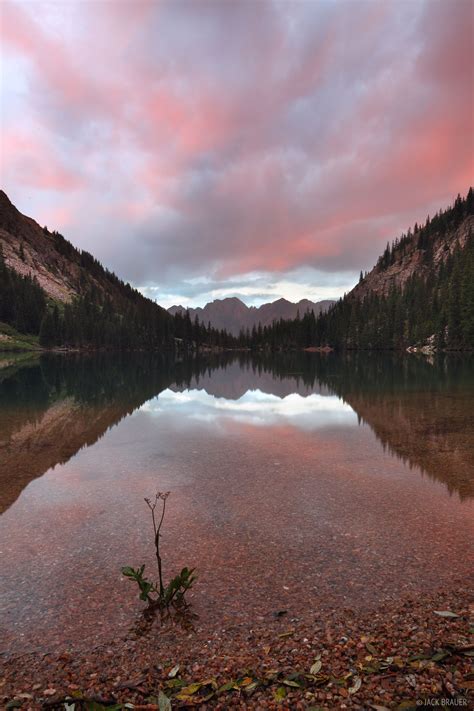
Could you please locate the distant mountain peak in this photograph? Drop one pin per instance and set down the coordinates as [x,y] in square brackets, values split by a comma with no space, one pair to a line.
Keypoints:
[233,315]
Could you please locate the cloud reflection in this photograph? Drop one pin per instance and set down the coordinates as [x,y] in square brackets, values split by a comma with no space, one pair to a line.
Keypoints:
[253,408]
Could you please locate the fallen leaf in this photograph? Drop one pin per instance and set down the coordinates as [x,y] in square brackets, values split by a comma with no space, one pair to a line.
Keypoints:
[226,687]
[164,704]
[174,671]
[245,681]
[356,685]
[131,683]
[189,690]
[280,693]
[251,687]
[439,656]
[316,667]
[445,613]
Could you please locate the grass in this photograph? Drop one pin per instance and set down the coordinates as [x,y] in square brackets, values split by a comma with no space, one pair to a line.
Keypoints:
[12,340]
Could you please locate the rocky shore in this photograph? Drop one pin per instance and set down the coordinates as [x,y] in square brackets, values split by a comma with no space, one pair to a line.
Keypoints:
[417,654]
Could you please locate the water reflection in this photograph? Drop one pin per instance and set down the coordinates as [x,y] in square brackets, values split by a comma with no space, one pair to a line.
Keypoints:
[422,412]
[254,408]
[286,493]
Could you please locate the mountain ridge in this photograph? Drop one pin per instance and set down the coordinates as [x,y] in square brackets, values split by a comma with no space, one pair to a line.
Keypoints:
[419,296]
[234,315]
[65,298]
[62,270]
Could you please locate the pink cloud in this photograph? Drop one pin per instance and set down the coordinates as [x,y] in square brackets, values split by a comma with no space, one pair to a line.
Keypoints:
[300,137]
[31,161]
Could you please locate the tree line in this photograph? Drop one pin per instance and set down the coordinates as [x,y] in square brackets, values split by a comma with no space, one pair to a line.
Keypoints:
[435,305]
[120,320]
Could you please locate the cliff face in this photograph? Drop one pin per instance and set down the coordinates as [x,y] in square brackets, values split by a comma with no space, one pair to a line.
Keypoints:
[233,315]
[30,250]
[63,271]
[410,258]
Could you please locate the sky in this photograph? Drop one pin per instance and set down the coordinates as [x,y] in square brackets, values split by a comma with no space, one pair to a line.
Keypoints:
[204,149]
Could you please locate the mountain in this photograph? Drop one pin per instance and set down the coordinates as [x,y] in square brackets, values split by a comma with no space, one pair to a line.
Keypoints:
[419,295]
[61,270]
[66,298]
[420,252]
[233,315]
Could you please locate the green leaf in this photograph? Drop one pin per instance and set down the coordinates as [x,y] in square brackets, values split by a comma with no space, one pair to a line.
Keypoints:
[227,687]
[439,656]
[280,693]
[128,571]
[190,690]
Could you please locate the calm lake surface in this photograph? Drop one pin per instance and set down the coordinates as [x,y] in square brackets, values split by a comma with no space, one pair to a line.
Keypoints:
[298,482]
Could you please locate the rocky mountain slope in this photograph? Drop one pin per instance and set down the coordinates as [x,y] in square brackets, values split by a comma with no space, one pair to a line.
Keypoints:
[419,295]
[420,252]
[233,315]
[61,270]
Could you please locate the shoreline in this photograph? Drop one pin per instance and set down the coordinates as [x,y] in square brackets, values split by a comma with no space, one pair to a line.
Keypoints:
[412,350]
[385,658]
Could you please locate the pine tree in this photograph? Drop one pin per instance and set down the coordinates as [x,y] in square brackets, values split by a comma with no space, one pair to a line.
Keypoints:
[47,334]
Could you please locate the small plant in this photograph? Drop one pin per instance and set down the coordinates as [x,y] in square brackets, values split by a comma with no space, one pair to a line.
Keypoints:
[156,594]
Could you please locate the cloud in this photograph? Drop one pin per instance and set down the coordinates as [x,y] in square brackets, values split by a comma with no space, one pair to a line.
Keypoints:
[254,288]
[227,139]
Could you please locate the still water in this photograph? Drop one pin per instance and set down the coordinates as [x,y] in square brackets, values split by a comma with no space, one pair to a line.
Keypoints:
[299,482]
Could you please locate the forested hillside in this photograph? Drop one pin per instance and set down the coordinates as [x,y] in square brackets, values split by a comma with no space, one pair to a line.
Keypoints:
[50,289]
[420,294]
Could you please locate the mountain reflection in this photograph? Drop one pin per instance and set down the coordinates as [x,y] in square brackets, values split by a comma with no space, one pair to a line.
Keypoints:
[422,412]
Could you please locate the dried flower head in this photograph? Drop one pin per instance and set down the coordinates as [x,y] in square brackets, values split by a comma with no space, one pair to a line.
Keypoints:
[160,495]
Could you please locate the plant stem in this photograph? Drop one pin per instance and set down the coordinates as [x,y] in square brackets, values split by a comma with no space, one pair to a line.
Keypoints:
[157,546]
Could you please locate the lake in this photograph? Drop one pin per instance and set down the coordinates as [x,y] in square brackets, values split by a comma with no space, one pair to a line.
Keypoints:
[297,481]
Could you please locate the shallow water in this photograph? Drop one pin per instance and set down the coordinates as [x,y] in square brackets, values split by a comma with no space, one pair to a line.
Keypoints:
[298,482]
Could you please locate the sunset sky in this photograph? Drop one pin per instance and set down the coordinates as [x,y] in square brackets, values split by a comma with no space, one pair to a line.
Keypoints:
[236,148]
